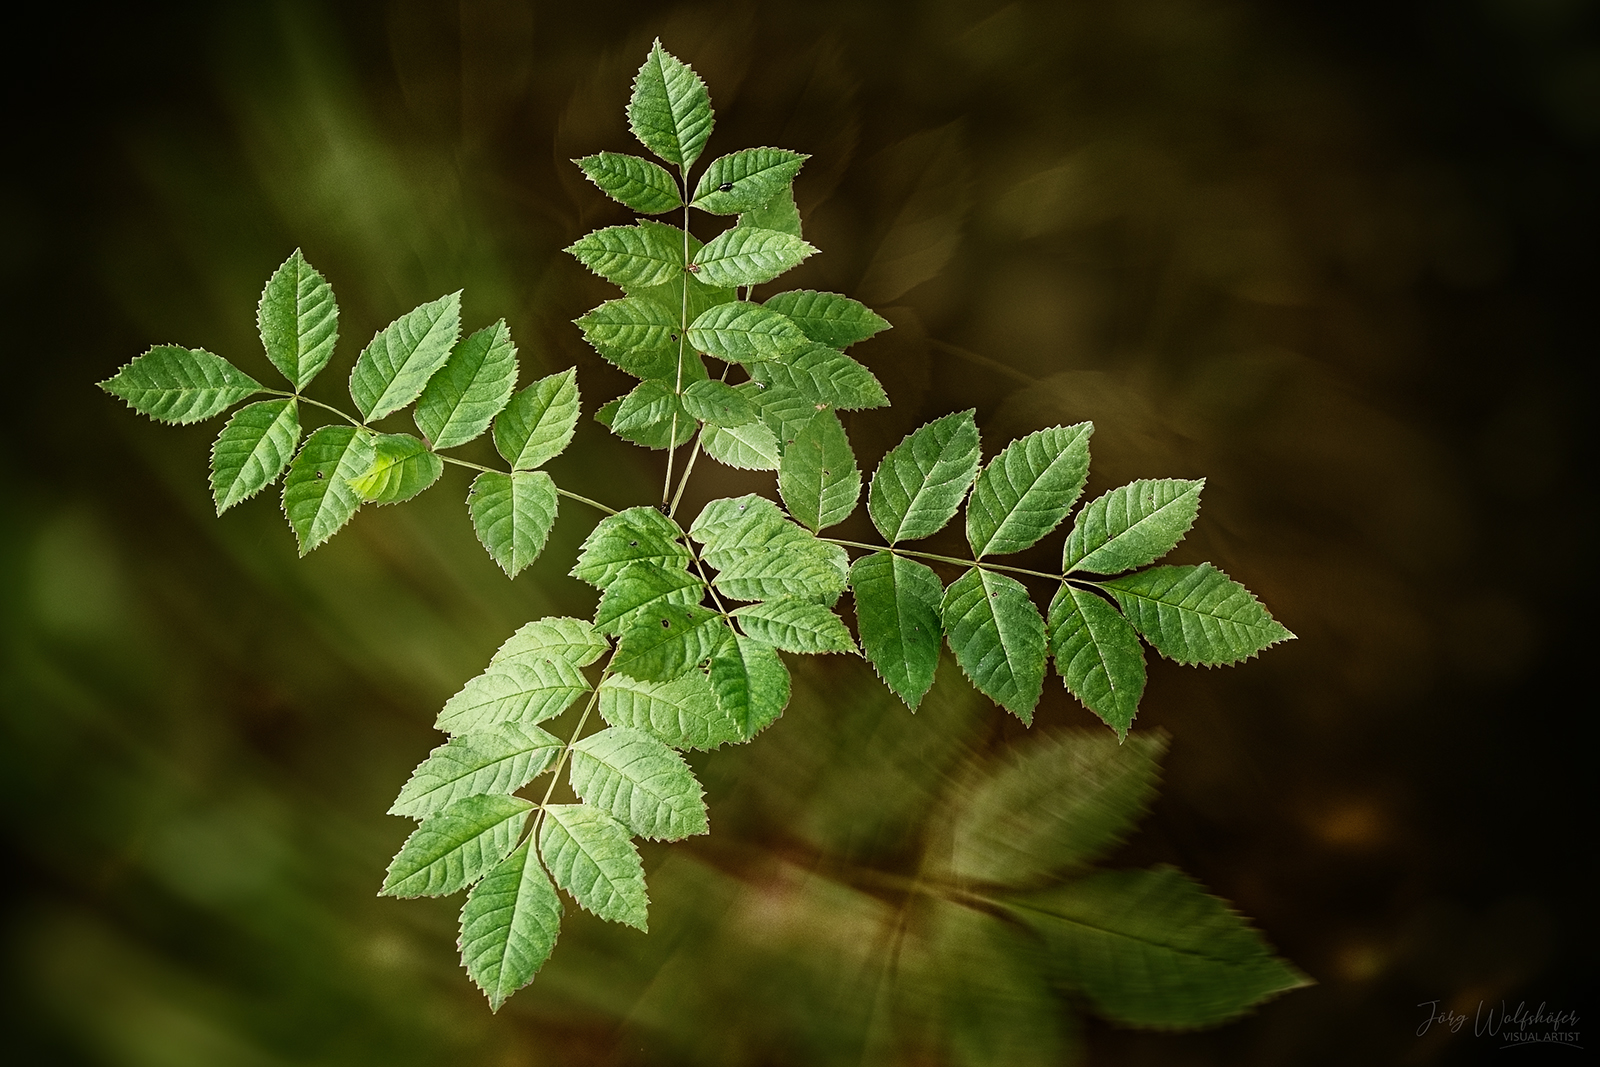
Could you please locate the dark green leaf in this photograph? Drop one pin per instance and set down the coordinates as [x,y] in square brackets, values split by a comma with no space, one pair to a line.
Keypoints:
[636,335]
[818,476]
[642,588]
[745,255]
[828,318]
[780,213]
[509,925]
[1028,489]
[252,450]
[998,638]
[640,534]
[825,377]
[400,359]
[501,759]
[683,713]
[920,484]
[670,640]
[647,254]
[1098,655]
[538,423]
[640,782]
[751,684]
[795,625]
[524,691]
[719,404]
[747,448]
[784,411]
[638,183]
[180,385]
[1131,526]
[317,495]
[298,320]
[401,468]
[512,514]
[897,613]
[590,856]
[474,386]
[740,332]
[670,110]
[747,180]
[1196,614]
[455,847]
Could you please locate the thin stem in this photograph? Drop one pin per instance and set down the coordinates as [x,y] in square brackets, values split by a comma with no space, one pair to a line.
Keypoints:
[316,403]
[560,491]
[981,564]
[687,469]
[683,340]
[555,772]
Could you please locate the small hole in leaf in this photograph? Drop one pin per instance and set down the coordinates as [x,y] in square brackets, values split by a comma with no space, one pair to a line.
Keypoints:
[674,337]
[319,475]
[826,472]
[724,187]
[632,544]
[665,625]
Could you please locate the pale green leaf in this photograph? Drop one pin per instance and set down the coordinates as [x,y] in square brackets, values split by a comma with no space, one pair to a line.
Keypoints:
[639,781]
[719,404]
[1196,614]
[512,514]
[825,377]
[637,183]
[252,450]
[524,691]
[684,712]
[998,638]
[751,684]
[1028,489]
[668,641]
[590,855]
[639,256]
[317,495]
[669,433]
[920,484]
[780,213]
[509,925]
[299,320]
[818,476]
[400,359]
[747,180]
[795,625]
[738,522]
[462,400]
[455,847]
[180,385]
[641,589]
[1131,526]
[538,423]
[670,110]
[897,613]
[401,468]
[741,332]
[651,403]
[753,447]
[745,255]
[1060,802]
[501,759]
[573,640]
[784,411]
[1153,948]
[636,335]
[639,534]
[760,553]
[828,318]
[1098,655]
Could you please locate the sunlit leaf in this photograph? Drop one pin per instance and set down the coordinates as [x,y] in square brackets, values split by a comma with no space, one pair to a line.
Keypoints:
[640,589]
[828,318]
[400,359]
[512,514]
[401,468]
[921,482]
[637,183]
[719,404]
[818,476]
[573,640]
[670,110]
[640,782]
[825,377]
[661,645]
[998,638]
[1196,614]
[462,399]
[684,712]
[500,759]
[751,683]
[752,447]
[590,855]
[1028,489]
[795,624]
[299,320]
[252,450]
[522,691]
[747,180]
[180,385]
[740,332]
[317,495]
[745,255]
[639,534]
[509,925]
[1131,526]
[646,254]
[538,423]
[1098,655]
[636,335]
[457,846]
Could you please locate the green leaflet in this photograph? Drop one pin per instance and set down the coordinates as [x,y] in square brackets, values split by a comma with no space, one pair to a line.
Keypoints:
[760,553]
[397,363]
[998,638]
[795,625]
[401,468]
[455,847]
[640,589]
[747,180]
[897,613]
[538,423]
[646,254]
[669,433]
[719,404]
[670,110]
[1153,948]
[750,682]
[1196,614]
[785,413]
[638,183]
[509,925]
[738,523]
[780,213]
[317,495]
[668,641]
[1131,526]
[1061,802]
[298,319]
[512,514]
[683,713]
[818,477]
[462,400]
[753,447]
[640,782]
[1098,655]
[635,335]
[740,332]
[252,450]
[825,377]
[639,534]
[180,385]
[522,691]
[652,403]
[501,759]
[745,255]
[920,484]
[558,637]
[828,318]
[590,855]
[1028,489]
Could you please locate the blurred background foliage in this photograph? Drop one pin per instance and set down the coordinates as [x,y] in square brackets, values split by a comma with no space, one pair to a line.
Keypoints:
[1332,257]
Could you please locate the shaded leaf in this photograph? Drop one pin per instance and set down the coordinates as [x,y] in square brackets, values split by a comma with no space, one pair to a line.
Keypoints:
[501,759]
[747,180]
[795,625]
[745,255]
[522,691]
[645,254]
[642,588]
[591,856]
[1196,614]
[455,847]
[640,782]
[252,450]
[639,534]
[753,447]
[751,683]
[400,359]
[298,319]
[538,423]
[741,332]
[670,110]
[897,613]
[828,318]
[780,213]
[317,495]
[512,514]
[825,378]
[509,925]
[401,468]
[998,638]
[462,400]
[637,183]
[760,553]
[817,475]
[651,403]
[1131,526]
[1028,489]
[1098,655]
[180,385]
[683,713]
[635,335]
[921,482]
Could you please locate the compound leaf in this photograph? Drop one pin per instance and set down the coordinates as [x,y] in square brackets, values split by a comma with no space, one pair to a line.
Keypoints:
[401,468]
[670,110]
[1131,526]
[538,423]
[817,476]
[747,180]
[512,514]
[1028,489]
[752,447]
[632,257]
[559,637]
[825,377]
[462,400]
[639,534]
[1153,948]
[1098,654]
[640,589]
[745,255]
[180,385]
[719,404]
[828,318]
[921,482]
[455,847]
[661,645]
[298,319]
[637,183]
[683,713]
[522,691]
[640,782]
[317,495]
[252,450]
[998,638]
[635,335]
[509,925]
[591,856]
[751,684]
[400,359]
[741,332]
[501,759]
[1196,614]
[897,612]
